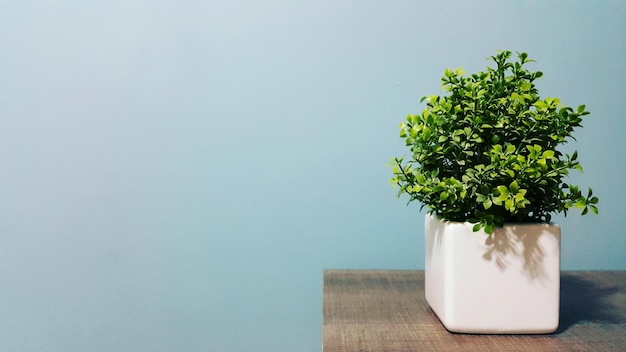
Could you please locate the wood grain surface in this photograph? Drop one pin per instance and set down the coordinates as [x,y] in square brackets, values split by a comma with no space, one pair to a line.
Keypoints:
[376,310]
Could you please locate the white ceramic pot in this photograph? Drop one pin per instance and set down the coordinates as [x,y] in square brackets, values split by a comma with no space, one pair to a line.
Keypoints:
[506,283]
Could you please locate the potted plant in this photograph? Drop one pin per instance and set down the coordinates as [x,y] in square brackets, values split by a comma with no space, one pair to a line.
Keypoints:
[486,164]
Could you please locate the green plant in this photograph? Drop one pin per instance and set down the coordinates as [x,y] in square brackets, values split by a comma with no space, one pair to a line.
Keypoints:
[487,151]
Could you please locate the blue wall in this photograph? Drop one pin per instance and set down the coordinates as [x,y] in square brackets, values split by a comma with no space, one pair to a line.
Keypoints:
[175,175]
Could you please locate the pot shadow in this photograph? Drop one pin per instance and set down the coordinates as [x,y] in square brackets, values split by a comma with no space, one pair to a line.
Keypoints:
[586,301]
[581,300]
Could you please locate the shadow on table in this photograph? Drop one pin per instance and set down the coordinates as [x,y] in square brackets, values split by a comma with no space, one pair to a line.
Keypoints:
[586,301]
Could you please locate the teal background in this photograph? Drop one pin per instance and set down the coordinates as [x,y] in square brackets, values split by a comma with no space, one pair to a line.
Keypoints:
[175,175]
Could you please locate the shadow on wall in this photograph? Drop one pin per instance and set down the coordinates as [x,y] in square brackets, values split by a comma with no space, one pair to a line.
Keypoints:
[586,301]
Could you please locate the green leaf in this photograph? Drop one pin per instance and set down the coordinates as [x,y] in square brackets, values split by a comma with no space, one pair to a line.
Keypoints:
[523,57]
[474,148]
[509,173]
[510,149]
[542,162]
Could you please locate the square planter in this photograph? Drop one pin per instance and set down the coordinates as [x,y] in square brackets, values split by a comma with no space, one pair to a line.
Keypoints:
[506,283]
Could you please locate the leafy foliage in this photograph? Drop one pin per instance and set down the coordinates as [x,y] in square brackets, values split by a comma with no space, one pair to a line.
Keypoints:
[487,151]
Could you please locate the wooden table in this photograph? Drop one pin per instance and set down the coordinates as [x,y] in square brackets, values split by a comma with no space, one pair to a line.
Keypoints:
[367,310]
